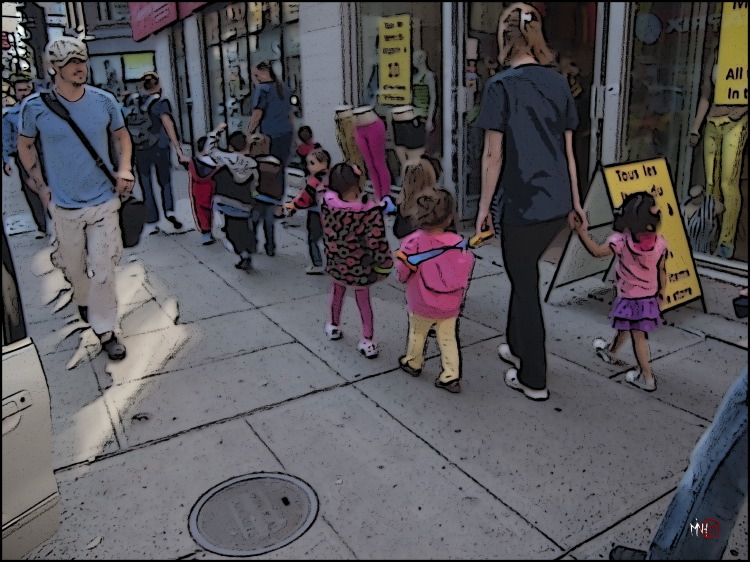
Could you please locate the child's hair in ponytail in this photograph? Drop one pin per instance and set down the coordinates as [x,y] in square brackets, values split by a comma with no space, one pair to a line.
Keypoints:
[343,178]
[635,215]
[434,209]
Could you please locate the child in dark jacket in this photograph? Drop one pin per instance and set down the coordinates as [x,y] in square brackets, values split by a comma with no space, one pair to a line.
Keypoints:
[235,184]
[318,163]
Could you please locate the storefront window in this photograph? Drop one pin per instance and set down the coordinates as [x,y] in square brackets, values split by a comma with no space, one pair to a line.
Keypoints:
[413,75]
[239,36]
[236,69]
[183,84]
[672,93]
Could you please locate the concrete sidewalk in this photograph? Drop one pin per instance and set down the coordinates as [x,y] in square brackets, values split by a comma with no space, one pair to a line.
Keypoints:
[230,373]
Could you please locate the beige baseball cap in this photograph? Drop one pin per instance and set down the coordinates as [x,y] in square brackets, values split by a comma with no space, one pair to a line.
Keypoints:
[61,50]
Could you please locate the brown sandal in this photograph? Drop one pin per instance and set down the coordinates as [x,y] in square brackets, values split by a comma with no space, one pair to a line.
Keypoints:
[452,386]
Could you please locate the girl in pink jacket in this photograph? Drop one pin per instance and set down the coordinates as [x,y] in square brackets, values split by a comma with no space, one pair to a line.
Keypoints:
[435,291]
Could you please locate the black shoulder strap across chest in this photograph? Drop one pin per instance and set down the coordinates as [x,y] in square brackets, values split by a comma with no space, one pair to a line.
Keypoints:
[51,101]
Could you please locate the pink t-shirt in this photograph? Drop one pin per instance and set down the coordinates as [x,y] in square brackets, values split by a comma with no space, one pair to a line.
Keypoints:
[437,288]
[637,267]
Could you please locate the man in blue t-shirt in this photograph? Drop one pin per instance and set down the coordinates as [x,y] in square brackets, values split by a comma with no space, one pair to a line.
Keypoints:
[82,199]
[22,88]
[158,155]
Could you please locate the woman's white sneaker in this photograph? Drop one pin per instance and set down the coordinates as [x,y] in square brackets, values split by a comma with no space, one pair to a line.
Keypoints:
[511,379]
[507,355]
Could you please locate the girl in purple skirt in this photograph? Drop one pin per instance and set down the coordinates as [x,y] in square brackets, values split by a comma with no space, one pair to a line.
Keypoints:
[640,277]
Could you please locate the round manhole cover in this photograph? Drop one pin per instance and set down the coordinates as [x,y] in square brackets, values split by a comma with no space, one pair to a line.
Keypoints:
[253,514]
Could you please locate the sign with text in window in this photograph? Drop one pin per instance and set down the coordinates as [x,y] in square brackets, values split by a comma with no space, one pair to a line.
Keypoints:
[394,60]
[731,78]
[652,176]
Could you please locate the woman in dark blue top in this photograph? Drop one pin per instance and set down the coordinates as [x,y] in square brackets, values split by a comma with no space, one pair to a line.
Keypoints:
[272,110]
[528,115]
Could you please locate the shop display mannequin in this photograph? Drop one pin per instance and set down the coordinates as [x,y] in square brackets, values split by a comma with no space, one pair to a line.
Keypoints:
[409,135]
[701,214]
[423,90]
[723,147]
[345,137]
[369,134]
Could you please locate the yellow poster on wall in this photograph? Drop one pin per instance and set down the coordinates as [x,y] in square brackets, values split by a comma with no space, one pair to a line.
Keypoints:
[394,59]
[731,77]
[652,176]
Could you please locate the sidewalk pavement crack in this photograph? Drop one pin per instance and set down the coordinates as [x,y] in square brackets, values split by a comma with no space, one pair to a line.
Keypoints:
[278,460]
[335,532]
[120,444]
[616,523]
[202,426]
[462,471]
[733,344]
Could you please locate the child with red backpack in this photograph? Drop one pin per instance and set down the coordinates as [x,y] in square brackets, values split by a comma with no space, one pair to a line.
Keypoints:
[201,169]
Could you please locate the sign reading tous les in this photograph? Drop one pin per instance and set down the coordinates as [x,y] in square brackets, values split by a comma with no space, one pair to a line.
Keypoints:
[394,60]
[652,176]
[731,78]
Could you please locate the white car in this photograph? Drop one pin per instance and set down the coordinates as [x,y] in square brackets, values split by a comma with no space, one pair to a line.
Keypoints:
[31,509]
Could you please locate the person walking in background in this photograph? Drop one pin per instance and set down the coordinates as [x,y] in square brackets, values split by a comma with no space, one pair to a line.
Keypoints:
[357,252]
[318,163]
[272,113]
[155,153]
[22,88]
[528,115]
[306,144]
[435,291]
[641,278]
[85,203]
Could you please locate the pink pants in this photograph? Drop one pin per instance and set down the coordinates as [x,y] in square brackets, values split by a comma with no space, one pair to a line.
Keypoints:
[362,295]
[370,140]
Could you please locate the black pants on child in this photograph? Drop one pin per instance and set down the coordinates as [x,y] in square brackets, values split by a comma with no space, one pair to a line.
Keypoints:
[523,246]
[314,235]
[263,213]
[240,234]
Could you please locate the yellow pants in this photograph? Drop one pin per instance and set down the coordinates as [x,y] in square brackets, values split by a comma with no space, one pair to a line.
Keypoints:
[723,146]
[447,337]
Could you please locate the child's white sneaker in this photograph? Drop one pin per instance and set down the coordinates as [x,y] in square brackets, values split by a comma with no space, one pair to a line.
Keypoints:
[602,351]
[635,377]
[333,332]
[507,355]
[368,348]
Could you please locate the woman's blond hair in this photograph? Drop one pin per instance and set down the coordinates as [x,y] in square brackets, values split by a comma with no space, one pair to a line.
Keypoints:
[419,177]
[520,27]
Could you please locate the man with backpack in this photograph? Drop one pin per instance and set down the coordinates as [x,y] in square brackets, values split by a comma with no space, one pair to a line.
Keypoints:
[152,128]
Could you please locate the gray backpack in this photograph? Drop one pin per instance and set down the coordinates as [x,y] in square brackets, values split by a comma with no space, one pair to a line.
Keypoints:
[138,120]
